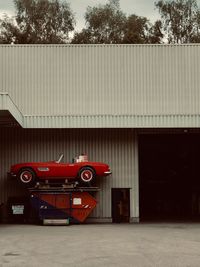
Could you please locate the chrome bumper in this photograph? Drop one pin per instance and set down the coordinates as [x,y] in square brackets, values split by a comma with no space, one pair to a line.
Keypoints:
[107,173]
[11,175]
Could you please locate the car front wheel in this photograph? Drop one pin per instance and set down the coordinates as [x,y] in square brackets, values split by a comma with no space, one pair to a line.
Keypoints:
[27,177]
[86,175]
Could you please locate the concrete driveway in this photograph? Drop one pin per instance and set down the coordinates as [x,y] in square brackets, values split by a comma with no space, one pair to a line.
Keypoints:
[100,245]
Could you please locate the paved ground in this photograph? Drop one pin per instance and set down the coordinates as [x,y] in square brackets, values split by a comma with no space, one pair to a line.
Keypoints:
[107,245]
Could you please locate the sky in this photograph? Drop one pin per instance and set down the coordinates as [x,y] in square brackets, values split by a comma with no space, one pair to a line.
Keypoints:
[144,8]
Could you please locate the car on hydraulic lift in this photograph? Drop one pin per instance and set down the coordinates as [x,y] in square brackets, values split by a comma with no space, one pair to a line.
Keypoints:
[80,170]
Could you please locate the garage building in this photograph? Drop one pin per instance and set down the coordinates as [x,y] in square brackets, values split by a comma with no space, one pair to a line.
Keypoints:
[135,107]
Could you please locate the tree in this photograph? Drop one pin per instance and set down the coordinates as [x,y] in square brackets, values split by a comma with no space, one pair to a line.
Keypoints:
[38,21]
[138,30]
[180,19]
[109,25]
[104,24]
[155,33]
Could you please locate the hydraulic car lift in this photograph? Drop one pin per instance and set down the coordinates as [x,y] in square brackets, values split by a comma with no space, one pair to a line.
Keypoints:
[62,204]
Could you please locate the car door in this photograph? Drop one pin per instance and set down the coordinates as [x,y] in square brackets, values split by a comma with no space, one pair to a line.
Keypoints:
[63,170]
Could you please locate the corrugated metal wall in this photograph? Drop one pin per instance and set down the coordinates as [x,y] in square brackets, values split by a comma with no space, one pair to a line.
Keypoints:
[113,121]
[116,147]
[102,79]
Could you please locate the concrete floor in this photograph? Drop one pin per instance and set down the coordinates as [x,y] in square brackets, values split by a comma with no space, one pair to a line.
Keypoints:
[105,245]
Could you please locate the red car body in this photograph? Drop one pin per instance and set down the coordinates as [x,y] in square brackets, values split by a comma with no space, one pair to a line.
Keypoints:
[55,170]
[52,170]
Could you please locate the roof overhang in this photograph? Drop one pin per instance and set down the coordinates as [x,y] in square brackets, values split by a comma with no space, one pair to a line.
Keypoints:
[9,113]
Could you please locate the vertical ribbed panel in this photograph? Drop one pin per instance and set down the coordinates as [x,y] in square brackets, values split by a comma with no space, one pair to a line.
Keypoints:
[102,79]
[118,121]
[115,147]
[3,101]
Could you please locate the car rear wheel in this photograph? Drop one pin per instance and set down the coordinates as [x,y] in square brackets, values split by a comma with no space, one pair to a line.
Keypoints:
[27,177]
[86,175]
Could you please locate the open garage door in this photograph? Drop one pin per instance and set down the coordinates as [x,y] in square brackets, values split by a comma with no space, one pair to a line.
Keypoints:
[169,169]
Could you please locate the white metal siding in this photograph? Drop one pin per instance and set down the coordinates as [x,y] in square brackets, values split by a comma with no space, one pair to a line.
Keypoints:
[102,79]
[115,147]
[110,121]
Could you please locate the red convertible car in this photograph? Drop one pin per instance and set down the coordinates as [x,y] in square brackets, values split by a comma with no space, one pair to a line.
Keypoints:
[80,170]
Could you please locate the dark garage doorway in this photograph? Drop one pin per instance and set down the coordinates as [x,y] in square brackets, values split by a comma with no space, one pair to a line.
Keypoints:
[120,205]
[169,176]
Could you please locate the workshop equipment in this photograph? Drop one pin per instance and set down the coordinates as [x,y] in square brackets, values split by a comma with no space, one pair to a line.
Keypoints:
[73,205]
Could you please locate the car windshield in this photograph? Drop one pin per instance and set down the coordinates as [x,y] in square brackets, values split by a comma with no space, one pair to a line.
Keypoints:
[60,158]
